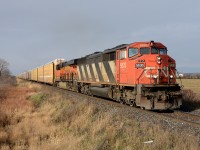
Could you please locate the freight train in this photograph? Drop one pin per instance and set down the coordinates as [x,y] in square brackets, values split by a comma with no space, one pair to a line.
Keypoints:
[139,74]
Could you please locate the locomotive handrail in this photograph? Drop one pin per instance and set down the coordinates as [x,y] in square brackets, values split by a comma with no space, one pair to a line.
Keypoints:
[140,75]
[179,79]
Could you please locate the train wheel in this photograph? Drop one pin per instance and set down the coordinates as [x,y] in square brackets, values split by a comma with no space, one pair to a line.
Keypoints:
[57,84]
[86,90]
[122,101]
[132,103]
[82,90]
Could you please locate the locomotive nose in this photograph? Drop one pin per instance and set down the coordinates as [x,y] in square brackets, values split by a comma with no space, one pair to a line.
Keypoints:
[166,69]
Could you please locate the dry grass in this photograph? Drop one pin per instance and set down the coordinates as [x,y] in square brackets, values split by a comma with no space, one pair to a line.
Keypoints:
[59,122]
[3,94]
[92,129]
[191,94]
[191,100]
[192,84]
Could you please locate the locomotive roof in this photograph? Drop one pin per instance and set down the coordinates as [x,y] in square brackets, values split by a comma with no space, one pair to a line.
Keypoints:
[72,62]
[93,55]
[147,44]
[97,54]
[121,46]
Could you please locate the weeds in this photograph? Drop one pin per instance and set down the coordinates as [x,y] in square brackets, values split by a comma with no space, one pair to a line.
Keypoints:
[38,99]
[7,81]
[61,122]
[191,101]
[3,94]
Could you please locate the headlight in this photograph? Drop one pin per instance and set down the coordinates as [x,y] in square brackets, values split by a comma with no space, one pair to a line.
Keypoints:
[159,62]
[158,58]
[171,76]
[155,76]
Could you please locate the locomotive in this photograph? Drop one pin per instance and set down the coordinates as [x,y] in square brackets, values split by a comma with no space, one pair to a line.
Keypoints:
[140,74]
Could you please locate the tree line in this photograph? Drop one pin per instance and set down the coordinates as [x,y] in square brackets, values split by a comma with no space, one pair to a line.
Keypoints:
[191,76]
[6,79]
[4,68]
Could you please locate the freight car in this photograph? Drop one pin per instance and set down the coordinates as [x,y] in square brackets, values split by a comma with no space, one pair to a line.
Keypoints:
[139,74]
[44,74]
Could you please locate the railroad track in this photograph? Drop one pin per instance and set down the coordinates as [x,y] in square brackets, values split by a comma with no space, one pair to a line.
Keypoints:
[185,117]
[178,116]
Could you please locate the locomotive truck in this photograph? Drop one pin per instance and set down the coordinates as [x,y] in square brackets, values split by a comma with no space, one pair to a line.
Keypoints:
[140,74]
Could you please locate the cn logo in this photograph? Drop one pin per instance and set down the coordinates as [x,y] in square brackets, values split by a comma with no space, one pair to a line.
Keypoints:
[147,71]
[165,71]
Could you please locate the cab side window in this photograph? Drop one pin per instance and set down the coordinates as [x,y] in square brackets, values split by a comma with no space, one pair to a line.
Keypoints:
[155,50]
[132,52]
[123,54]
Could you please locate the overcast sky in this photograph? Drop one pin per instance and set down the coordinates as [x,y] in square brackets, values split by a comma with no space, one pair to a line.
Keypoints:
[34,32]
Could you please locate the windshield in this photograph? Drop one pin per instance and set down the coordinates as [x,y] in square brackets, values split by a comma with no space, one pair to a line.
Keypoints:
[132,52]
[144,50]
[161,51]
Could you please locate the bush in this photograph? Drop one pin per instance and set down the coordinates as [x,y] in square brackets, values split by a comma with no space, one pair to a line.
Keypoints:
[38,99]
[190,101]
[2,94]
[8,81]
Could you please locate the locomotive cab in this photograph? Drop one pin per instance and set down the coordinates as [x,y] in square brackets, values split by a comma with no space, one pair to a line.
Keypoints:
[145,63]
[147,67]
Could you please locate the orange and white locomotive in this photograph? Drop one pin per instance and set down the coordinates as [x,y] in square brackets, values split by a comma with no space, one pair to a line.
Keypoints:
[140,74]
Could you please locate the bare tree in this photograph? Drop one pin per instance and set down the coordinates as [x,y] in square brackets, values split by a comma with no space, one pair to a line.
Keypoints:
[4,67]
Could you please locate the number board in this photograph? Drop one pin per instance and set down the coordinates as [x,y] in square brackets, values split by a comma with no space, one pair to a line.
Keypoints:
[140,65]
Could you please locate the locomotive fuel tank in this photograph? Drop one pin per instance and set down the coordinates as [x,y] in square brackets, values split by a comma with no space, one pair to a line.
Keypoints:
[101,91]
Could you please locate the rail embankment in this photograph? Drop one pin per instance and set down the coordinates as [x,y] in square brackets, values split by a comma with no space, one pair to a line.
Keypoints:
[35,116]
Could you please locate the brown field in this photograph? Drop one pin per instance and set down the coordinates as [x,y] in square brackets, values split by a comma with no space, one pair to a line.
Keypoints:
[33,119]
